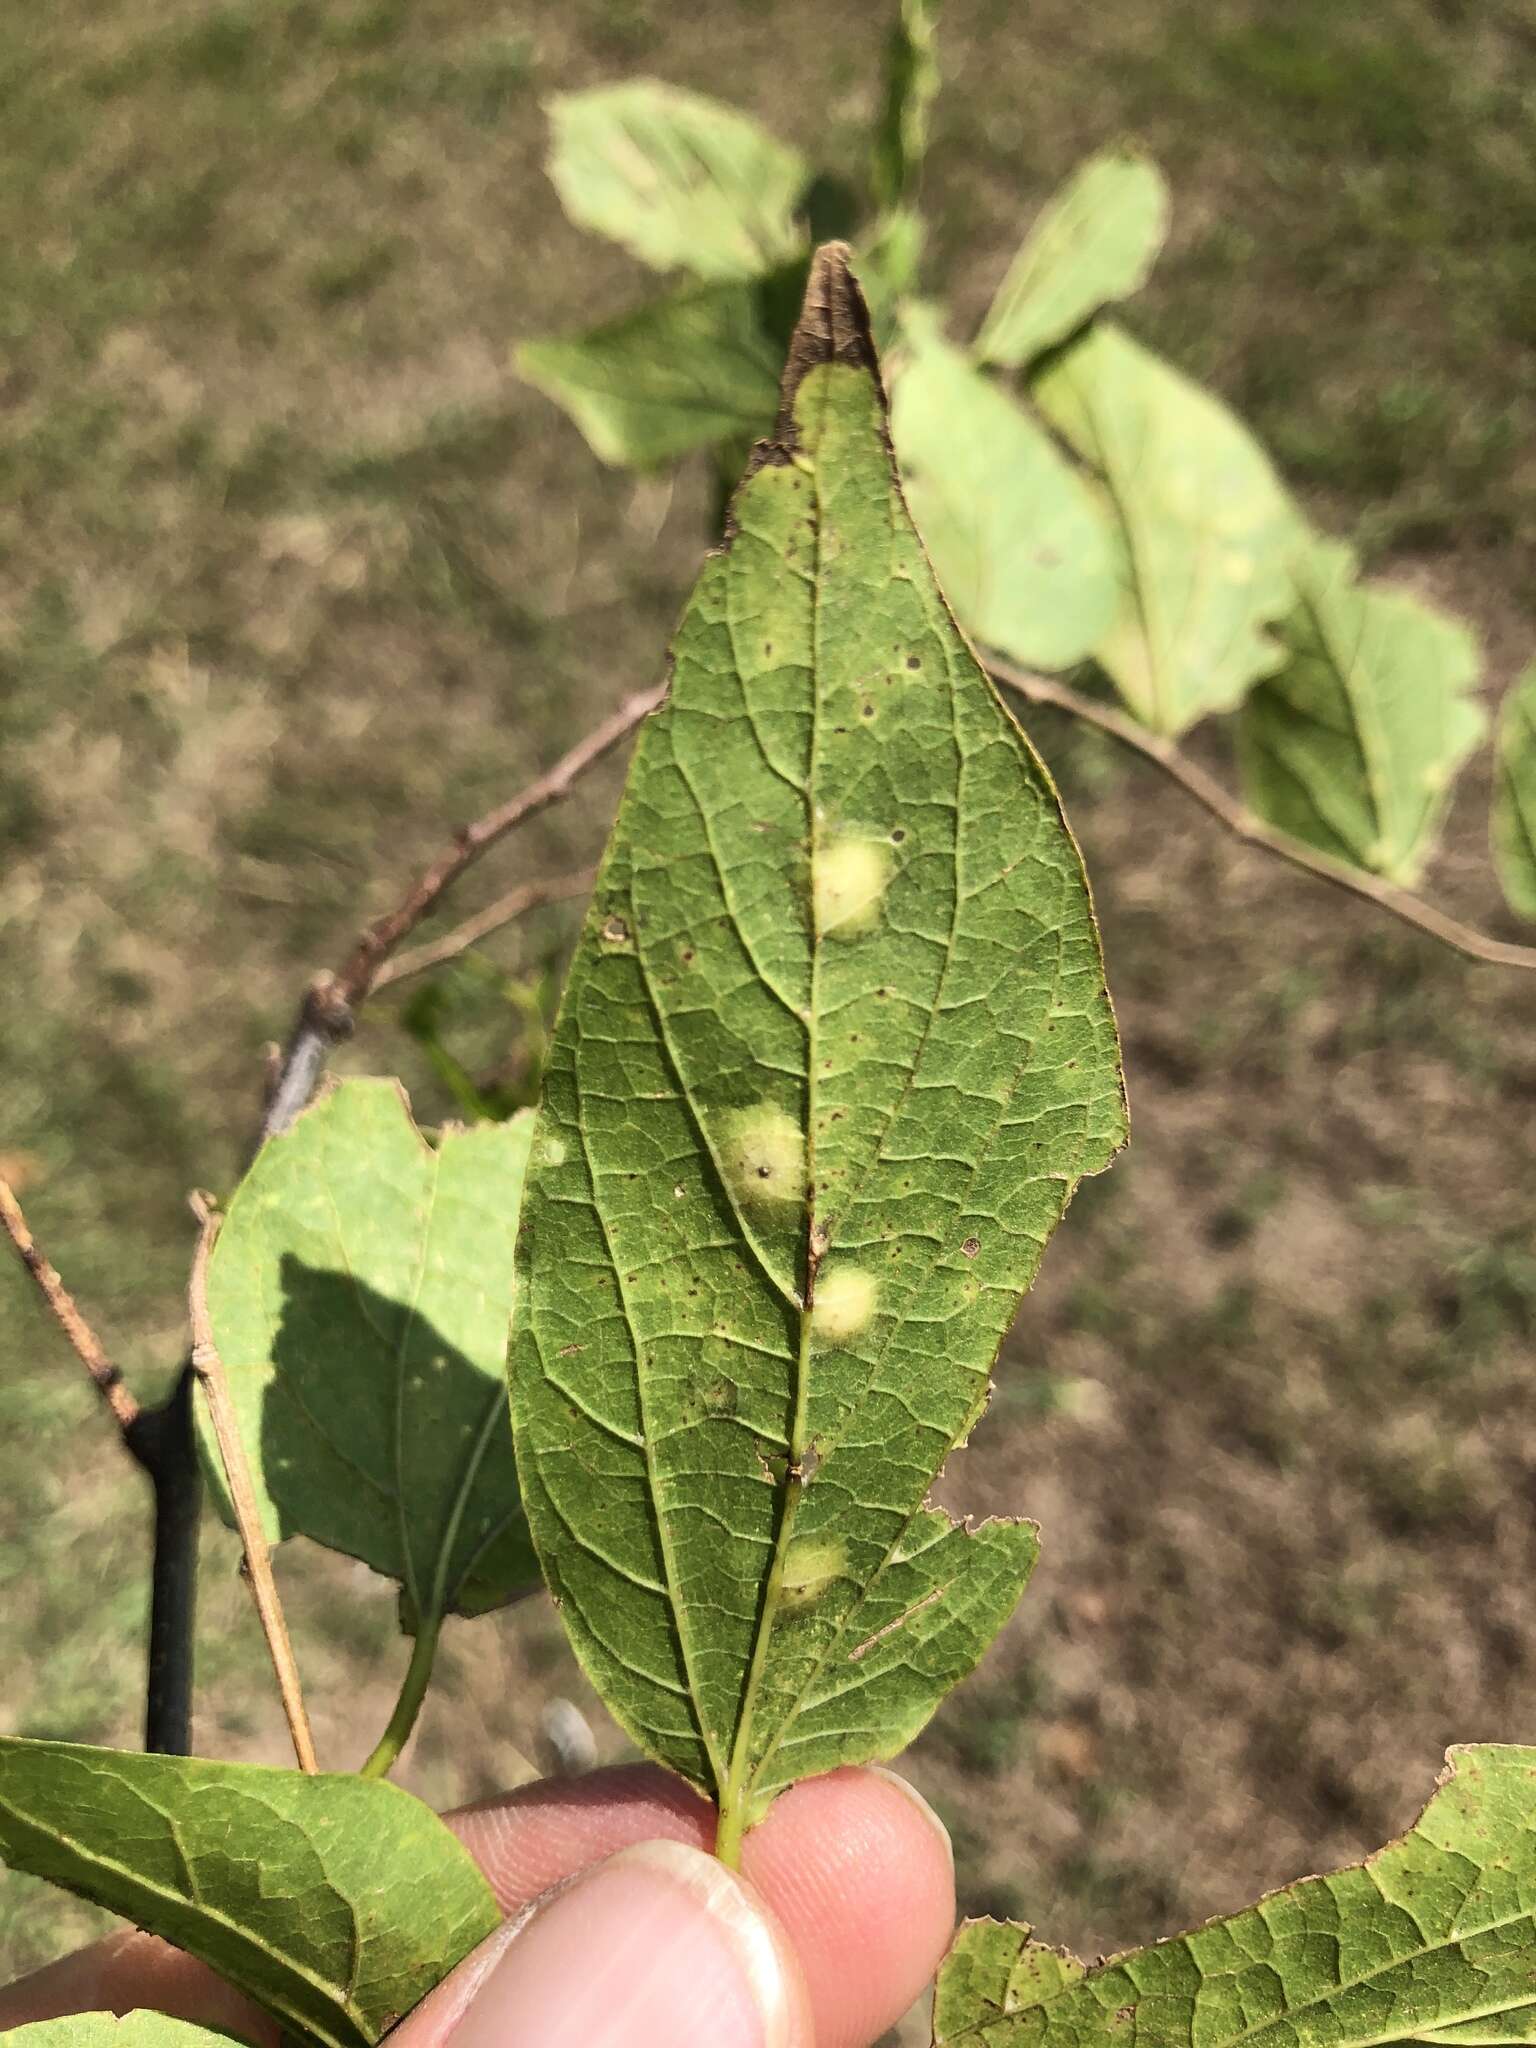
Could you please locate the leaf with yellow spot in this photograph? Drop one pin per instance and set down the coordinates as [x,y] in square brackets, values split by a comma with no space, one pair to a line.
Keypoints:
[804,1136]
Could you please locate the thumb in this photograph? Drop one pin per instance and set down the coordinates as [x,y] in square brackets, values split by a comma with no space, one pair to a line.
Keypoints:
[659,1947]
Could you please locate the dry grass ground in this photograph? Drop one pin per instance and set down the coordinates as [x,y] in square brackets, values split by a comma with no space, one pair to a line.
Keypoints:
[292,570]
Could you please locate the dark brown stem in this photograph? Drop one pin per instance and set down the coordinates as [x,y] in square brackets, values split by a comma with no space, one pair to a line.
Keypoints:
[1245,825]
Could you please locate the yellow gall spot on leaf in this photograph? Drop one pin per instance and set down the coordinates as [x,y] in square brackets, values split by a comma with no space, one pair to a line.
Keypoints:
[845,1301]
[763,1156]
[810,1567]
[848,879]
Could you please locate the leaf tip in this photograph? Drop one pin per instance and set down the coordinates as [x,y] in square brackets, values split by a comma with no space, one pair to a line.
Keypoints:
[833,327]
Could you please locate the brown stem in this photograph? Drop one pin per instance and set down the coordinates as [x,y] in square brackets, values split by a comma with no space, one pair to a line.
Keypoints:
[327,1013]
[209,1367]
[505,910]
[83,1340]
[1245,825]
[161,1442]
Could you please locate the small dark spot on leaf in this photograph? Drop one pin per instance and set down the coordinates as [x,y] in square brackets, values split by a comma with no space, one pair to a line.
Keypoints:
[913,661]
[570,1350]
[616,931]
[898,835]
[971,1247]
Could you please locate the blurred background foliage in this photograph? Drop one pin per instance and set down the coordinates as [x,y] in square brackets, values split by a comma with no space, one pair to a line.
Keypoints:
[294,570]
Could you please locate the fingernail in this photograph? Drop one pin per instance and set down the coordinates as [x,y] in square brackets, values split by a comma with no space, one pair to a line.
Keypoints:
[659,1947]
[905,1786]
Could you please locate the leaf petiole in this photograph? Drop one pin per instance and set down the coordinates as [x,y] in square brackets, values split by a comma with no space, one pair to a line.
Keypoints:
[413,1690]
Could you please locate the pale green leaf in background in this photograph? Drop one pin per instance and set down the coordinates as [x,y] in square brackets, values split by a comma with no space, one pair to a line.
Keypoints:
[681,181]
[834,1050]
[911,85]
[1432,1939]
[1514,796]
[1020,544]
[360,1293]
[106,2030]
[1093,243]
[1353,745]
[1205,532]
[890,260]
[335,1902]
[993,1969]
[678,374]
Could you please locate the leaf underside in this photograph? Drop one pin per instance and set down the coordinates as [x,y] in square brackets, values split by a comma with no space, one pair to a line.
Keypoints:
[1023,550]
[1432,1939]
[834,1050]
[1354,744]
[106,2030]
[681,373]
[360,1293]
[1094,242]
[1514,796]
[335,1902]
[1205,531]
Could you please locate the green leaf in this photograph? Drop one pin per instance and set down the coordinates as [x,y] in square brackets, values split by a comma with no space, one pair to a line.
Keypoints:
[1432,1939]
[1094,242]
[834,1051]
[361,1292]
[1206,534]
[1354,744]
[675,375]
[911,86]
[993,1969]
[679,180]
[1514,796]
[890,257]
[106,2030]
[336,1903]
[1021,547]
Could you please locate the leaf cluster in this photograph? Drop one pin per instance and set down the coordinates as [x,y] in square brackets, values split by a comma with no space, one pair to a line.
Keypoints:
[1087,505]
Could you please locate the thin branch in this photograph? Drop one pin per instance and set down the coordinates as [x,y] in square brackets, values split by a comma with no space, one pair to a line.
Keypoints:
[1245,825]
[160,1441]
[209,1367]
[83,1340]
[326,1015]
[505,910]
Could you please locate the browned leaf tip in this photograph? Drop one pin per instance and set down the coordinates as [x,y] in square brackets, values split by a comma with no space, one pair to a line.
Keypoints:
[833,328]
